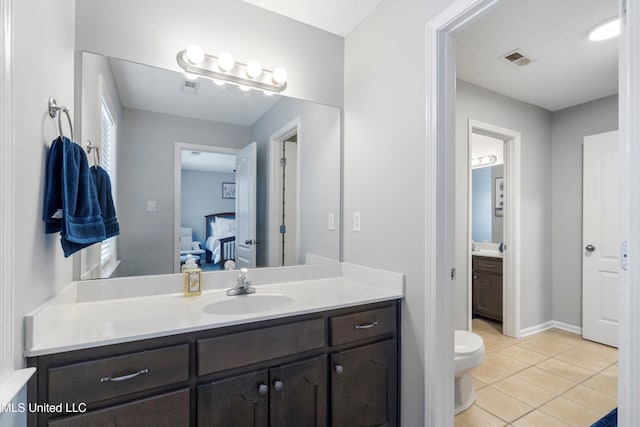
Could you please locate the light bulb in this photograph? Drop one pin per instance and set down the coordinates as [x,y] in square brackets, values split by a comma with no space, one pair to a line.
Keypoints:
[226,61]
[194,54]
[244,88]
[280,75]
[190,76]
[607,30]
[254,69]
[218,82]
[267,92]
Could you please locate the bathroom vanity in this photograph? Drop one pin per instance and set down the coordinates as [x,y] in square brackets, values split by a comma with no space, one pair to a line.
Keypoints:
[330,357]
[487,287]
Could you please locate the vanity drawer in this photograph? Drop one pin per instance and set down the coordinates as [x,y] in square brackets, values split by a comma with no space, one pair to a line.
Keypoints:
[167,410]
[490,265]
[366,324]
[258,345]
[111,377]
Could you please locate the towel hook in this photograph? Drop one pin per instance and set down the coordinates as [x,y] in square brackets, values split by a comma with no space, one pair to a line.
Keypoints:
[96,152]
[54,109]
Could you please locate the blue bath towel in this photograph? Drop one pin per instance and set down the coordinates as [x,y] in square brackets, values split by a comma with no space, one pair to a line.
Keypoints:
[105,199]
[71,203]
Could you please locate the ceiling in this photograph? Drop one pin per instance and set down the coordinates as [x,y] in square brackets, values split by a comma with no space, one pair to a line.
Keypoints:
[335,16]
[566,70]
[143,87]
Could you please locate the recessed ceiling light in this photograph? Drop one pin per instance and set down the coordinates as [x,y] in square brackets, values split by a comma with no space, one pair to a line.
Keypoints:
[607,30]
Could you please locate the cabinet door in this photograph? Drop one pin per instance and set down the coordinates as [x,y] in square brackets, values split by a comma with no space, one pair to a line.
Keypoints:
[299,394]
[487,295]
[240,401]
[364,386]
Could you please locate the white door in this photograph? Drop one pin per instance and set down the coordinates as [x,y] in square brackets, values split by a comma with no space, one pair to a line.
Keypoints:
[600,238]
[246,172]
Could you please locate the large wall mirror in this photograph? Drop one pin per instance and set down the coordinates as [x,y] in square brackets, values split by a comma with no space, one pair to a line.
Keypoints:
[175,147]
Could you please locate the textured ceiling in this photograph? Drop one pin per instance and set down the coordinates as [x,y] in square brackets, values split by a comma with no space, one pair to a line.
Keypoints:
[567,69]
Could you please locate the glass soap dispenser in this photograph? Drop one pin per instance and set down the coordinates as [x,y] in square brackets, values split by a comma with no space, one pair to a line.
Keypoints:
[192,277]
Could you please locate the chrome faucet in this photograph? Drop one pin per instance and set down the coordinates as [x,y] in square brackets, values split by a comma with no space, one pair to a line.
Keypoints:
[243,285]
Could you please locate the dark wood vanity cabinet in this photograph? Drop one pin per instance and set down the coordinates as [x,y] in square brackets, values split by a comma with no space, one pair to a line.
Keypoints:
[290,395]
[487,287]
[335,368]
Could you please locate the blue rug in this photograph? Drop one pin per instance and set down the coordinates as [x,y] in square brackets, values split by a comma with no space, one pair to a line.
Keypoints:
[609,420]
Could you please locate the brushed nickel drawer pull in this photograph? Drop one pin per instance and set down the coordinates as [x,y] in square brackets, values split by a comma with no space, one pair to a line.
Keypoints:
[370,325]
[490,266]
[124,377]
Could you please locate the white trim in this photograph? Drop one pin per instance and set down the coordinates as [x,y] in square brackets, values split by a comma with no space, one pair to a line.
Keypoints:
[274,257]
[536,329]
[511,260]
[7,338]
[629,297]
[10,388]
[177,188]
[439,198]
[551,324]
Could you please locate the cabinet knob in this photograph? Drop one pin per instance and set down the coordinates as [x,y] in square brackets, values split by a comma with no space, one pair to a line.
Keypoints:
[262,389]
[338,368]
[590,248]
[278,385]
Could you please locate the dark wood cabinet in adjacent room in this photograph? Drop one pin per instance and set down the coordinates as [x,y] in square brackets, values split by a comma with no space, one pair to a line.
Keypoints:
[487,287]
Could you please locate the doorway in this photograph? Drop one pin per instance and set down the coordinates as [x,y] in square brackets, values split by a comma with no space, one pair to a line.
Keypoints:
[200,171]
[439,183]
[499,224]
[284,205]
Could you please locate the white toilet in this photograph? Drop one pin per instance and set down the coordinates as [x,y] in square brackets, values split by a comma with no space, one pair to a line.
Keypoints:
[469,353]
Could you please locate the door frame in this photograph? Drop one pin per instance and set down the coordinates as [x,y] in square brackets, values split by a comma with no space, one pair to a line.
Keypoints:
[285,132]
[177,189]
[439,230]
[511,257]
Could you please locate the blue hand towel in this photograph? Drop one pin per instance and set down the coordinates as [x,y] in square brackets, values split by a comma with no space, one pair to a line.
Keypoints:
[105,199]
[71,203]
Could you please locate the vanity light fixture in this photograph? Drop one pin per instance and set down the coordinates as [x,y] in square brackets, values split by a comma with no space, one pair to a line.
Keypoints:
[224,68]
[606,30]
[483,161]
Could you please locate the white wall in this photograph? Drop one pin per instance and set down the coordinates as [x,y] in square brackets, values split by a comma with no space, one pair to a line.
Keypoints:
[318,180]
[570,126]
[384,158]
[43,67]
[201,195]
[146,172]
[153,32]
[534,125]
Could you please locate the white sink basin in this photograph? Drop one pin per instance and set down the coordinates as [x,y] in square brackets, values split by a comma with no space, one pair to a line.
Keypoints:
[246,304]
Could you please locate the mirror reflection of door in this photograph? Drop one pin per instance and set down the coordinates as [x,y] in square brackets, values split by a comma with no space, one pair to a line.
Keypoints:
[246,238]
[287,202]
[204,177]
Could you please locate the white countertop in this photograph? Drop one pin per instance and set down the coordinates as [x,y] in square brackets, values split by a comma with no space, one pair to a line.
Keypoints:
[488,253]
[81,317]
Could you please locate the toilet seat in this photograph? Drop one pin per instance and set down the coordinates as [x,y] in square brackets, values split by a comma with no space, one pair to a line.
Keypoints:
[467,343]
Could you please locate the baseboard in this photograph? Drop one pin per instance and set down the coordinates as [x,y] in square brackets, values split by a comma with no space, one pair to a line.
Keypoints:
[536,329]
[567,327]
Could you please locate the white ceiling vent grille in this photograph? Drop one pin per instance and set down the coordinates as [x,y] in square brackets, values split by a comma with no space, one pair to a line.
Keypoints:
[517,58]
[190,86]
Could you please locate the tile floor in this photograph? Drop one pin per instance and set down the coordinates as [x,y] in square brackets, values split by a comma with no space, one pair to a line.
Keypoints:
[550,379]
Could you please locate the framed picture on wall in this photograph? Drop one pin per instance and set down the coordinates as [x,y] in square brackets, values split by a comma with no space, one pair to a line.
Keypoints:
[228,190]
[499,192]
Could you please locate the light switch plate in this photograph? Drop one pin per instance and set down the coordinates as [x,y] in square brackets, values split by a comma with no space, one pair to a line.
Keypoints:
[152,206]
[357,222]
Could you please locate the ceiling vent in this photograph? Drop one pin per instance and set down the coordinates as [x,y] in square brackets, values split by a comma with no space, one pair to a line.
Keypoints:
[190,86]
[517,58]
